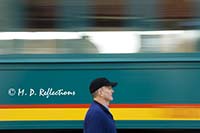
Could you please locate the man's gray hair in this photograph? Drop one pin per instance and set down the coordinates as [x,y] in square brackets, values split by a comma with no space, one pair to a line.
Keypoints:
[94,94]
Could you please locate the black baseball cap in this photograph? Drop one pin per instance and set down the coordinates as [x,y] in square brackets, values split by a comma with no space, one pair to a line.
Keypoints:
[100,82]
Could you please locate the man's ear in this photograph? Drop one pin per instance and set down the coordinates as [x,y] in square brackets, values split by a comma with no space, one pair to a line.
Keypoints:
[100,92]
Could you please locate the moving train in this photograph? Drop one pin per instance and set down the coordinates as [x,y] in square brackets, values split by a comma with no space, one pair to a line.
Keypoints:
[50,51]
[155,91]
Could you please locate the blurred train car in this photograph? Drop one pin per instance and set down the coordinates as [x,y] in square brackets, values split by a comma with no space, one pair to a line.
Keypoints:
[155,91]
[50,50]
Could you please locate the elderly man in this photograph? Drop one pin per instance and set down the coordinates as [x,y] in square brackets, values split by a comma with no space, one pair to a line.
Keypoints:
[98,118]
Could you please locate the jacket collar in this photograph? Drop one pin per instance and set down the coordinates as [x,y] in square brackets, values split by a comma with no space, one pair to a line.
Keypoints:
[103,108]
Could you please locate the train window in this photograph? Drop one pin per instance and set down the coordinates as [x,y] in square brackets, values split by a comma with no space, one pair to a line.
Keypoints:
[40,14]
[99,26]
[104,42]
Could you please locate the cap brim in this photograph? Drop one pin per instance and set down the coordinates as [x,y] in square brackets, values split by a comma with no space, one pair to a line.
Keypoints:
[113,84]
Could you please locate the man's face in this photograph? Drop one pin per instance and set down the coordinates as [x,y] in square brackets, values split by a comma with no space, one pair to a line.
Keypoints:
[106,93]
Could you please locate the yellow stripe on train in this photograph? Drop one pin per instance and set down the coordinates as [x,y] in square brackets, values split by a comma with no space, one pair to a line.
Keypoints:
[33,114]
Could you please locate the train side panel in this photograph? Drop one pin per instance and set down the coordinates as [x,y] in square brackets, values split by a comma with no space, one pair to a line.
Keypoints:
[51,92]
